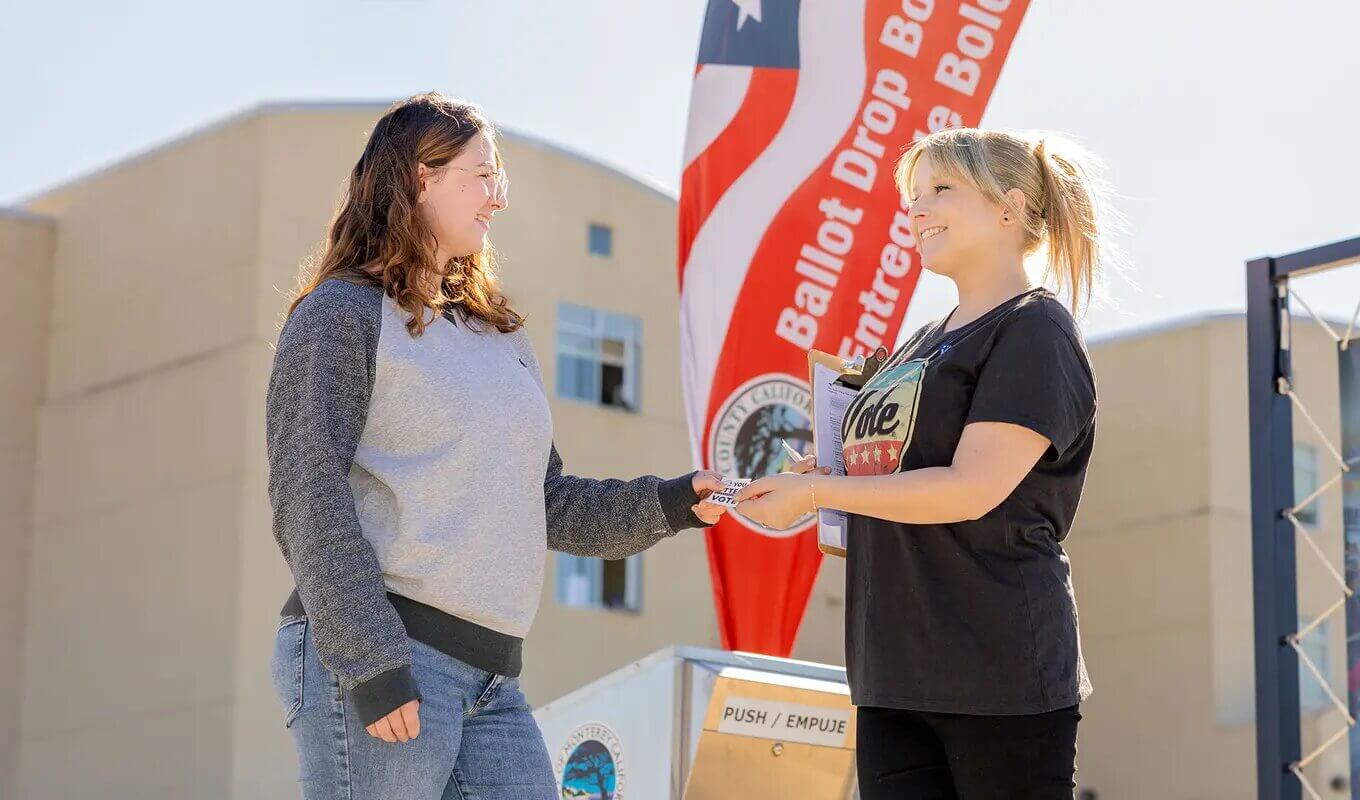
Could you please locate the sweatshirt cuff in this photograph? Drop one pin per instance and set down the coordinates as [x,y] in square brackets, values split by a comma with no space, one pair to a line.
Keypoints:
[677,495]
[384,693]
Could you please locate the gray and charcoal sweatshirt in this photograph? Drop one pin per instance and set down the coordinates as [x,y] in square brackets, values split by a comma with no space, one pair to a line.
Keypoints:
[416,490]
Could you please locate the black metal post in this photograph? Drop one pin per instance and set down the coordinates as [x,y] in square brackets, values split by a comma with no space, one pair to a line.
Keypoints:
[1272,537]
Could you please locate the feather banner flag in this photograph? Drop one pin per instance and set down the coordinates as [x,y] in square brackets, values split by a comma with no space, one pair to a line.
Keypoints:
[793,236]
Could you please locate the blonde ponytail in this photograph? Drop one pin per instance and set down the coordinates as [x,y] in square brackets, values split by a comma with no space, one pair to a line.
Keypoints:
[1070,215]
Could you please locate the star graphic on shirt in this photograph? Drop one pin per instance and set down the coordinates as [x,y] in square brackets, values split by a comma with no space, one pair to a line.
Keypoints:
[746,9]
[892,453]
[878,454]
[854,458]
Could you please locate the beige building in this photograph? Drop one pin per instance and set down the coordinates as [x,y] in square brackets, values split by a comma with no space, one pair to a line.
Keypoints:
[1161,555]
[140,585]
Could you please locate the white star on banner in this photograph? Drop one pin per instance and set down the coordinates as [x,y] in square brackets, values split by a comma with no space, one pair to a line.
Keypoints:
[746,9]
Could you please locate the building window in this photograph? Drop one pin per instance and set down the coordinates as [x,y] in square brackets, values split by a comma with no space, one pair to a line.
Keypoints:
[1306,481]
[595,583]
[598,355]
[600,240]
[1318,646]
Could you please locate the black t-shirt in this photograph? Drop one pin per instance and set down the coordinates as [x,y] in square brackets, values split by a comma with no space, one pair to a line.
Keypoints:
[973,617]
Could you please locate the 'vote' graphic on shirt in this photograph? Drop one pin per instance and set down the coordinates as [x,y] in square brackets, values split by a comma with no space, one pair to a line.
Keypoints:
[879,423]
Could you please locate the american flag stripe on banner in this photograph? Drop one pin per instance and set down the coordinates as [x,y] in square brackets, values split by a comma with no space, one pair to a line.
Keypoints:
[792,236]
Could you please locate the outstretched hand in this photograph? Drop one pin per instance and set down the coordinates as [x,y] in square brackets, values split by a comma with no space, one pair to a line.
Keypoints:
[777,501]
[706,482]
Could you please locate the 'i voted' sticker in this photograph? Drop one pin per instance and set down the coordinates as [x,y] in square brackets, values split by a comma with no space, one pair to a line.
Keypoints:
[727,496]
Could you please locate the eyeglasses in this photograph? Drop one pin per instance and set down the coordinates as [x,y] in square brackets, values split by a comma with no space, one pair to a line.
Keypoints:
[496,181]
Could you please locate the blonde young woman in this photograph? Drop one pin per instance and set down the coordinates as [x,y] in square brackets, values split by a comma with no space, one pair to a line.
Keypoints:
[966,455]
[415,486]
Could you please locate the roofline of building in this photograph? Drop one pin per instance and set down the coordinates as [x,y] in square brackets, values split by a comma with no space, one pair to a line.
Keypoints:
[1190,321]
[15,212]
[377,106]
[642,182]
[1142,331]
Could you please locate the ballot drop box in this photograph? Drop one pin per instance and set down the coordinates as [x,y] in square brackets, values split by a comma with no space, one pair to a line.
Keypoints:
[696,724]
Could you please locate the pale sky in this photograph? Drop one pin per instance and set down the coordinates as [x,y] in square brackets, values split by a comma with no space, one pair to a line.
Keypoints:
[1229,127]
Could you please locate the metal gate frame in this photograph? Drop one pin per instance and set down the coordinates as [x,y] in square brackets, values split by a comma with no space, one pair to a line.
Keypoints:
[1274,589]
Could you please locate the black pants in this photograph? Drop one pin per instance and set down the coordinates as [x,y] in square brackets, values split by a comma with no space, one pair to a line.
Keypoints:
[911,755]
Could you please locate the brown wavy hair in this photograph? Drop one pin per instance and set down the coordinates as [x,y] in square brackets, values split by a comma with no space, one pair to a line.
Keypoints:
[379,238]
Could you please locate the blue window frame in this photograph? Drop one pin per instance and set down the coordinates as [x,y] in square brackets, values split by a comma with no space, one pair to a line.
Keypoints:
[584,582]
[600,240]
[598,356]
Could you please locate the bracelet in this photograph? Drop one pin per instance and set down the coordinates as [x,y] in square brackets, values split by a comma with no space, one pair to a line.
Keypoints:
[813,484]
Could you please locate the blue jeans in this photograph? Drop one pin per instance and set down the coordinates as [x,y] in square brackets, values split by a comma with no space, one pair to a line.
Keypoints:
[478,740]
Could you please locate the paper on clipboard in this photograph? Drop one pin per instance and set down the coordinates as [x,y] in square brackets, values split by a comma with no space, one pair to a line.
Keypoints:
[829,401]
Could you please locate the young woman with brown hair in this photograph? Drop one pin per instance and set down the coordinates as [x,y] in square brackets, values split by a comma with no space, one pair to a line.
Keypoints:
[415,486]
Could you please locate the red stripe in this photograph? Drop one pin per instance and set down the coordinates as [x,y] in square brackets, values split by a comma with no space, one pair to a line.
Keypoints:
[763,110]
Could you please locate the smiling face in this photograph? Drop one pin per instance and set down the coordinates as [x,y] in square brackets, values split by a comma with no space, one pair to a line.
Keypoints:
[459,199]
[954,223]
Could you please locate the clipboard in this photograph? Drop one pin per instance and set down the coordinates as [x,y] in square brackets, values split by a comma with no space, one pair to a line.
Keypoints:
[851,374]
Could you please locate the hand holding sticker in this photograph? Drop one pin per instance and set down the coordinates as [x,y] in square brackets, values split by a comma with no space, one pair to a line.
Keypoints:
[727,496]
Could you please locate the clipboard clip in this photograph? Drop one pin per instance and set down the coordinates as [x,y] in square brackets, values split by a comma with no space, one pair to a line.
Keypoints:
[857,371]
